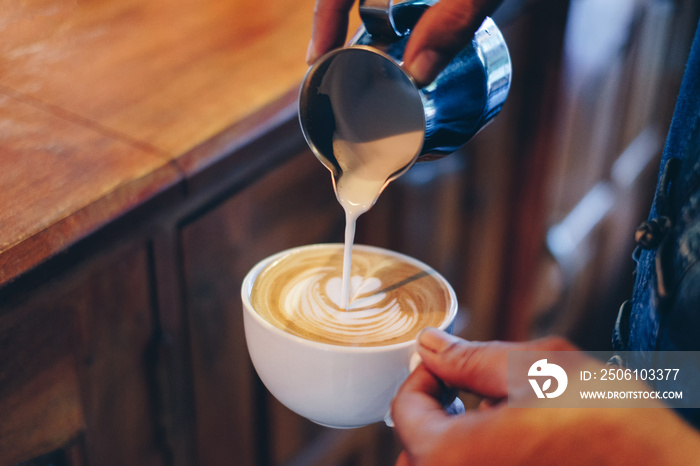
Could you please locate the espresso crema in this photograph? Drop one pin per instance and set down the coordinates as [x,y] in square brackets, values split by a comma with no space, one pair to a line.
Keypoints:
[391,300]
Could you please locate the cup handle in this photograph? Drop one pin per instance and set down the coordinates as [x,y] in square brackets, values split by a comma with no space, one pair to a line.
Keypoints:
[379,20]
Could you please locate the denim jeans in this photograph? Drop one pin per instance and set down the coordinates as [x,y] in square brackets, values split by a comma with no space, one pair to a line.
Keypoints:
[664,311]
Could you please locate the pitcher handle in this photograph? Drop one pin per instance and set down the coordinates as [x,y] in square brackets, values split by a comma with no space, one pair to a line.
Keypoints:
[378,19]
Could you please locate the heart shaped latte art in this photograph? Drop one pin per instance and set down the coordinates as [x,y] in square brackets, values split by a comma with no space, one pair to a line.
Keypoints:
[364,292]
[390,300]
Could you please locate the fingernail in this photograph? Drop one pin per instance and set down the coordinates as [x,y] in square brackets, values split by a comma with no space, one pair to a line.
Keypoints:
[423,66]
[435,340]
[311,53]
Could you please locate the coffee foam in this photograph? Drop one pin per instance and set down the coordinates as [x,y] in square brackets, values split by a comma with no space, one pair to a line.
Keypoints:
[390,302]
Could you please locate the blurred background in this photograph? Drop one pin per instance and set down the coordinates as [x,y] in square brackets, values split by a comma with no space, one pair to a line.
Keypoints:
[127,347]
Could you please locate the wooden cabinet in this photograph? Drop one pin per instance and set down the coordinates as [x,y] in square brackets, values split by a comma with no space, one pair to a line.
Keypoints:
[75,371]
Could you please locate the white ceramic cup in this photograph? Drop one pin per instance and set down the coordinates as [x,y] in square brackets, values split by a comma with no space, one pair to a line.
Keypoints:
[336,386]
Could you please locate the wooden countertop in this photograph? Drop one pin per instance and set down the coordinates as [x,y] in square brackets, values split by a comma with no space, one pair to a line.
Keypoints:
[103,102]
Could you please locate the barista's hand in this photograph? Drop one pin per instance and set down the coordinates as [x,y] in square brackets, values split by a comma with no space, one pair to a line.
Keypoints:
[499,435]
[441,32]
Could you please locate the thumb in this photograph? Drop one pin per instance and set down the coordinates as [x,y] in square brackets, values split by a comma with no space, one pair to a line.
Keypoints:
[479,367]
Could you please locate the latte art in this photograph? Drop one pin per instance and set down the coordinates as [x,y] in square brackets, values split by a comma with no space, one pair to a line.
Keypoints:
[390,300]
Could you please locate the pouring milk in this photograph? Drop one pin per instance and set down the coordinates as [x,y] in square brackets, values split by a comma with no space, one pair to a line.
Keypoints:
[379,131]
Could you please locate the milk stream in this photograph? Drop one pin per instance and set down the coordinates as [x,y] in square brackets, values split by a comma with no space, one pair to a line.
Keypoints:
[379,129]
[366,167]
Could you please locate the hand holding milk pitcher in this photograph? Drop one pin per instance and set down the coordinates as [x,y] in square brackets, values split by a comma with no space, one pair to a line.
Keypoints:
[360,94]
[332,335]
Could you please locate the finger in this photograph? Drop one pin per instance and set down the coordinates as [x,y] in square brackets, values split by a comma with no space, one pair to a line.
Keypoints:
[481,368]
[442,31]
[330,27]
[403,459]
[417,411]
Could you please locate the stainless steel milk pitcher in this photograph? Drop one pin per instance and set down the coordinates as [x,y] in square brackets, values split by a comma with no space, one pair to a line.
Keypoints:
[468,93]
